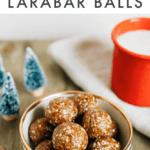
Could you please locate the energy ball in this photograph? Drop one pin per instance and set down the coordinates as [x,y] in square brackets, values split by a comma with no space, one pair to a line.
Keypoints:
[85,102]
[69,136]
[97,123]
[114,130]
[45,145]
[40,130]
[61,110]
[105,143]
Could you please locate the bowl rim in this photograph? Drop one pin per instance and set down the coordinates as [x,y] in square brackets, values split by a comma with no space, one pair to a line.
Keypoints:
[72,92]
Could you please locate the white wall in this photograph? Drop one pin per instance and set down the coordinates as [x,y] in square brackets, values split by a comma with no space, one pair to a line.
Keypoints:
[32,27]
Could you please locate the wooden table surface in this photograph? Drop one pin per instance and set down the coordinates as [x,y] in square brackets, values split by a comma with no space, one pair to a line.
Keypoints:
[13,58]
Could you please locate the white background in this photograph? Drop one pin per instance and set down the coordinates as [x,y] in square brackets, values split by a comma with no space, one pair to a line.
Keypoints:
[38,27]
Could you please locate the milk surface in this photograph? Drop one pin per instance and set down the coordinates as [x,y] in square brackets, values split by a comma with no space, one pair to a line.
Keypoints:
[136,41]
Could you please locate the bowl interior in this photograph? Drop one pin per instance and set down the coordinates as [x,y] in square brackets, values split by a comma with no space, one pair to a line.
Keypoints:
[39,111]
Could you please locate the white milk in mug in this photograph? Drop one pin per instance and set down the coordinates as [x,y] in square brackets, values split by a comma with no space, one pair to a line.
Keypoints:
[136,41]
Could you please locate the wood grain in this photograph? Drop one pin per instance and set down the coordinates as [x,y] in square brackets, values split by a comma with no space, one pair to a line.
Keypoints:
[57,81]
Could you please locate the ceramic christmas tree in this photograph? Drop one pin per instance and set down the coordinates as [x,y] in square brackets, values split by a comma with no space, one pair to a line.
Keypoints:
[2,73]
[9,103]
[34,77]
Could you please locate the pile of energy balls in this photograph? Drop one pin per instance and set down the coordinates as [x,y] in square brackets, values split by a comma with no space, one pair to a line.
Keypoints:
[75,123]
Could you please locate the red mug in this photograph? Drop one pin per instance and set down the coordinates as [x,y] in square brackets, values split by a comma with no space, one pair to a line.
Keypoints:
[130,77]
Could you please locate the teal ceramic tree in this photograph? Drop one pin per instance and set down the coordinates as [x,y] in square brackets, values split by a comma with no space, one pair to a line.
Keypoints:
[2,72]
[34,77]
[9,103]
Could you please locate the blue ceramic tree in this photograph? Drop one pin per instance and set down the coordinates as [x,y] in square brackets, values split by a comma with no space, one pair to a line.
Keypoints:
[2,72]
[34,76]
[9,103]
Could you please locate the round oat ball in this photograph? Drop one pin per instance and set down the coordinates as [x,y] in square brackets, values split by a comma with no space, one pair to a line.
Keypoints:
[85,102]
[61,110]
[105,143]
[40,130]
[45,145]
[97,123]
[69,136]
[114,129]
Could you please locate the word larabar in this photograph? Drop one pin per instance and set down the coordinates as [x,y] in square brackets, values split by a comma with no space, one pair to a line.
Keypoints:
[74,4]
